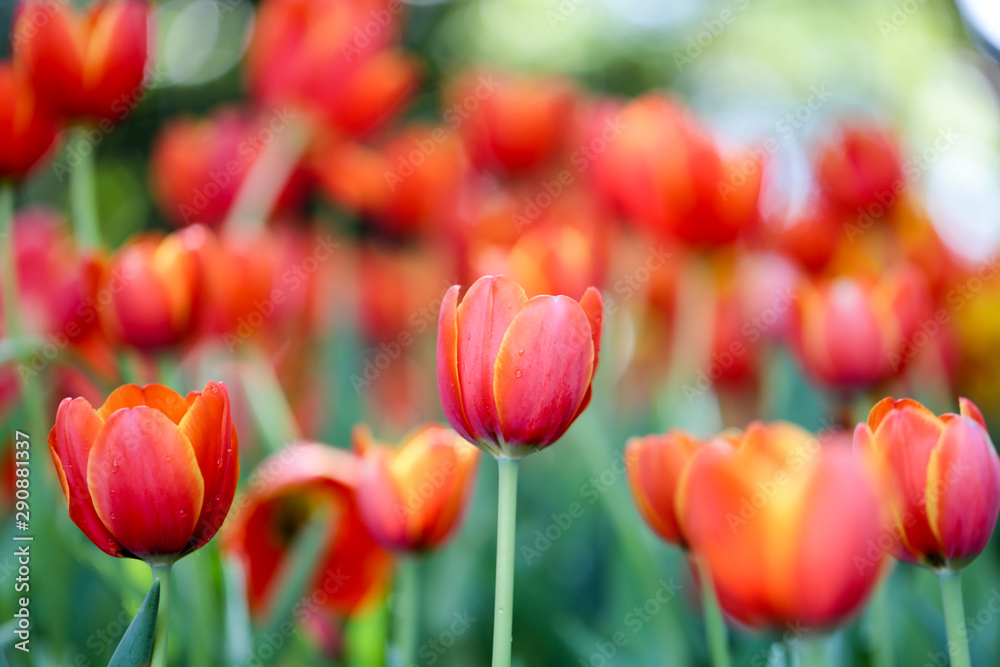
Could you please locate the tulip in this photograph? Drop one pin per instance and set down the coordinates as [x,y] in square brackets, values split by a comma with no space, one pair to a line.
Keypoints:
[284,493]
[859,168]
[412,499]
[150,474]
[27,130]
[84,67]
[514,373]
[655,465]
[945,476]
[153,286]
[784,526]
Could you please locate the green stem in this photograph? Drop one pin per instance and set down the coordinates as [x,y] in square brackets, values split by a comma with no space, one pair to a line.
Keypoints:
[503,610]
[954,618]
[880,627]
[715,624]
[162,572]
[813,651]
[83,194]
[408,611]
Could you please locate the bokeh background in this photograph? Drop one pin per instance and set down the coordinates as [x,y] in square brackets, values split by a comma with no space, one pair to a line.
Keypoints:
[359,346]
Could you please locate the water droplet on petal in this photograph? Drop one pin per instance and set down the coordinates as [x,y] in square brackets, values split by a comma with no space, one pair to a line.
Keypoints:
[169,458]
[111,542]
[215,390]
[112,515]
[218,462]
[521,351]
[208,507]
[182,512]
[517,373]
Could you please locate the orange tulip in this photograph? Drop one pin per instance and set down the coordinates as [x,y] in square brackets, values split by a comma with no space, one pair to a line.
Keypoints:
[514,373]
[655,465]
[27,130]
[947,479]
[859,168]
[412,498]
[153,285]
[285,491]
[150,474]
[785,526]
[88,66]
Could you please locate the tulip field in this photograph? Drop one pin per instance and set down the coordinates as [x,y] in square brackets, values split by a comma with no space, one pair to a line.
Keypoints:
[510,333]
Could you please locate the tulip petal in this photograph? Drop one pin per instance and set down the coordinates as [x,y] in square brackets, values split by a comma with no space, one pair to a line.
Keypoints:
[971,410]
[484,316]
[208,426]
[145,482]
[449,387]
[963,491]
[887,405]
[71,439]
[155,396]
[543,371]
[593,308]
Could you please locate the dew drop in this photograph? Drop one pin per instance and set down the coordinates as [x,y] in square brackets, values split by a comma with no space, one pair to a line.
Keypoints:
[182,512]
[111,542]
[169,458]
[215,390]
[217,497]
[218,462]
[114,466]
[517,373]
[521,352]
[112,516]
[208,507]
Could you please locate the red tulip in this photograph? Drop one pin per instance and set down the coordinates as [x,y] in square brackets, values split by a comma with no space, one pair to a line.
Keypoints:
[860,167]
[284,492]
[153,286]
[88,66]
[150,474]
[785,526]
[412,498]
[947,477]
[514,373]
[27,130]
[655,465]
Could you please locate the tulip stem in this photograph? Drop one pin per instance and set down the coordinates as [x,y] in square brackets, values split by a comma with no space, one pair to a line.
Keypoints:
[408,609]
[162,574]
[813,651]
[83,194]
[954,617]
[715,624]
[503,610]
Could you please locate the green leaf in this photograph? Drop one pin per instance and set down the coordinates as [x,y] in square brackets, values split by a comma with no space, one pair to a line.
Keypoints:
[136,647]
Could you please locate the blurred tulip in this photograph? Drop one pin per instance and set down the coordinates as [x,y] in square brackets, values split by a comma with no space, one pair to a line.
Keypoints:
[150,474]
[655,465]
[859,167]
[947,478]
[198,165]
[153,285]
[514,373]
[331,59]
[412,498]
[664,170]
[853,332]
[284,493]
[785,526]
[509,122]
[27,130]
[84,66]
[810,240]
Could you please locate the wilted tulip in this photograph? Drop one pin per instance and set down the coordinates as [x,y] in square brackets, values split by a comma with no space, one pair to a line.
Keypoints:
[285,492]
[150,474]
[84,66]
[859,167]
[947,479]
[412,498]
[514,373]
[153,285]
[27,130]
[784,525]
[655,465]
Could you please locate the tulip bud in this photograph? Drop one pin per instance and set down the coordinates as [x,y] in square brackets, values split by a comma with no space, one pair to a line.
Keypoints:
[655,465]
[860,167]
[87,66]
[149,474]
[412,498]
[514,373]
[27,130]
[946,477]
[284,492]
